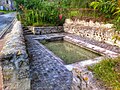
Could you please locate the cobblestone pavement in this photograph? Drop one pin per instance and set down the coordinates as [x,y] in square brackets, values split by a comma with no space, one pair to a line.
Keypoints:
[47,71]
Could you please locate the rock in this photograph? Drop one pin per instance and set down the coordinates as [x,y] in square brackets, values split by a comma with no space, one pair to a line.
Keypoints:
[69,67]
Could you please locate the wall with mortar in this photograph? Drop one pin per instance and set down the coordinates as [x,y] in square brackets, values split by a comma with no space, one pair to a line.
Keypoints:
[93,30]
[15,64]
[46,30]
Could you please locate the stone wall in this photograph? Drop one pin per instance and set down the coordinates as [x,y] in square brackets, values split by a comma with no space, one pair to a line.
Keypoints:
[93,30]
[46,30]
[15,64]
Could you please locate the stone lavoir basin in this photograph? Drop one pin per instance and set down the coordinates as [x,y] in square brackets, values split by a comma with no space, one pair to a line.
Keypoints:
[69,52]
[59,58]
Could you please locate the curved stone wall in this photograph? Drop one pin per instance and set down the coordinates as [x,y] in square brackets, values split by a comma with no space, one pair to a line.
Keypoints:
[15,61]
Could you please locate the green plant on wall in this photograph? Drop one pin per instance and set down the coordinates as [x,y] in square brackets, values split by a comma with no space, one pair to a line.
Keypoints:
[110,9]
[106,7]
[116,37]
[116,22]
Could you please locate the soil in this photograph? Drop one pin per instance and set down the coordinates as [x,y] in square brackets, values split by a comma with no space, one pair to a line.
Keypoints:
[87,19]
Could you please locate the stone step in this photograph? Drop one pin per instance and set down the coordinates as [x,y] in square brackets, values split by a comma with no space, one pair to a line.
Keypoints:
[24,27]
[28,33]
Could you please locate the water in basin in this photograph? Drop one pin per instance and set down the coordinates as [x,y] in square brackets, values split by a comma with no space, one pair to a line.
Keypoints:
[70,53]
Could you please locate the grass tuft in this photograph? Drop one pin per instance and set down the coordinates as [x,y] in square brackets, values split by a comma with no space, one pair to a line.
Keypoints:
[108,72]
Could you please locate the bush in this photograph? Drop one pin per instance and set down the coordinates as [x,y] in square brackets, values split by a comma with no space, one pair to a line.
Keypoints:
[42,11]
[105,7]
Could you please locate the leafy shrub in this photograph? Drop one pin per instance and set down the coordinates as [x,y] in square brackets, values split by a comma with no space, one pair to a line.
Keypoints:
[47,11]
[105,7]
[36,12]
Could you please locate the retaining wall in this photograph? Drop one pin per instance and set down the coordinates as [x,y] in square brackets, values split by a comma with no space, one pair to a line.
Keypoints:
[15,64]
[93,30]
[46,30]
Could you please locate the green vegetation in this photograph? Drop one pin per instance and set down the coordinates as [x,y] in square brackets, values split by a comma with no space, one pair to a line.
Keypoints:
[54,12]
[41,12]
[50,12]
[106,7]
[83,14]
[5,12]
[110,9]
[108,71]
[68,52]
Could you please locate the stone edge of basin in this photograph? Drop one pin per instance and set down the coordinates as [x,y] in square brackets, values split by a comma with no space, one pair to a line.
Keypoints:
[94,48]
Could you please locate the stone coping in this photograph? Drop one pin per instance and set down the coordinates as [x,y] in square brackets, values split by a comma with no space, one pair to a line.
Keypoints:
[94,48]
[14,59]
